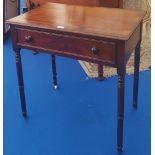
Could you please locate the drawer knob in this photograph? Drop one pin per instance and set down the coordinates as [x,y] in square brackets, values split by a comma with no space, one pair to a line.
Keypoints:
[28,39]
[94,50]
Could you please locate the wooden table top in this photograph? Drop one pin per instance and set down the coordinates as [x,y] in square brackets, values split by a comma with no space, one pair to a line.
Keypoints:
[104,22]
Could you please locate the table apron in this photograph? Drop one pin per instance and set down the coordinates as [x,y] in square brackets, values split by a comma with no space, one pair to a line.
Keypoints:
[97,51]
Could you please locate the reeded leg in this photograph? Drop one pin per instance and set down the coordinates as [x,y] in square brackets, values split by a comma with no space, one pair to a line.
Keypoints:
[100,72]
[120,114]
[136,76]
[20,82]
[54,72]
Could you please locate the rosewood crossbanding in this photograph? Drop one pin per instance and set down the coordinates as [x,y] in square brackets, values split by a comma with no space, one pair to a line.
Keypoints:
[107,37]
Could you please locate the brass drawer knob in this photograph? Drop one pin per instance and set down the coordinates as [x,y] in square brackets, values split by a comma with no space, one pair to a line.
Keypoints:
[28,39]
[94,50]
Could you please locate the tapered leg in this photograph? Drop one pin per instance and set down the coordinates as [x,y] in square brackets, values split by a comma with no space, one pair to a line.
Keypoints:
[20,82]
[120,114]
[54,72]
[136,75]
[100,72]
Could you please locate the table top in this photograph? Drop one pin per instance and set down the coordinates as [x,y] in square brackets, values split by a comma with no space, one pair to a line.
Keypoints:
[97,21]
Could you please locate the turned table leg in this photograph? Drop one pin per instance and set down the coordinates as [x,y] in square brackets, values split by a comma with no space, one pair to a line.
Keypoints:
[54,72]
[136,75]
[100,72]
[120,115]
[20,82]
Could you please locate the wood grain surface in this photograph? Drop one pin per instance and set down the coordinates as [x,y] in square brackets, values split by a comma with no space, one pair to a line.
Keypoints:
[104,22]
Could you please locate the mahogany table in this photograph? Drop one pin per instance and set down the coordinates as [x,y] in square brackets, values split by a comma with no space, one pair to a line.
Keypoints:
[107,37]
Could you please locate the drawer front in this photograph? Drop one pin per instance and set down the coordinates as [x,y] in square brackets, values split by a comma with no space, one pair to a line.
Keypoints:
[80,48]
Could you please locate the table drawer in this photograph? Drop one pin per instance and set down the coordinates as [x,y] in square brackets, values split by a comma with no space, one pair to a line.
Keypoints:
[80,48]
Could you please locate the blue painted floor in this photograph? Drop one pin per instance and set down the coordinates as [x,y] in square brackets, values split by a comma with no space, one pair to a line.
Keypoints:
[78,119]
